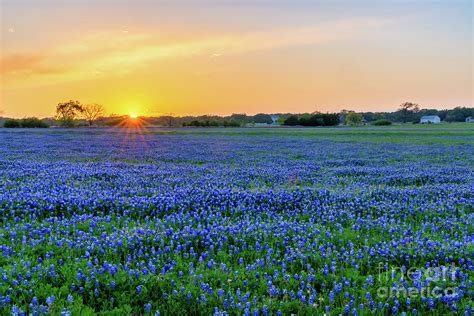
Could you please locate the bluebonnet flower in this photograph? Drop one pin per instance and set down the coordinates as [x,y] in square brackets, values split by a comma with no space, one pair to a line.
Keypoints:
[50,300]
[269,215]
[148,307]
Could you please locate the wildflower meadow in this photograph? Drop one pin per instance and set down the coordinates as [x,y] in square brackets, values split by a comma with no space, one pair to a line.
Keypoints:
[375,220]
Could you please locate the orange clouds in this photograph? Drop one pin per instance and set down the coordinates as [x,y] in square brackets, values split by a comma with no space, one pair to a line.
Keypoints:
[109,54]
[25,65]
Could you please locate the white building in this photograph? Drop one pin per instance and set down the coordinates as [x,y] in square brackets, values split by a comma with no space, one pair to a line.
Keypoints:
[469,119]
[275,119]
[433,119]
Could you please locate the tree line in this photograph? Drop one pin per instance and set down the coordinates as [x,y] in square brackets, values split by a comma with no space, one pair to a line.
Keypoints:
[73,113]
[316,119]
[67,115]
[409,112]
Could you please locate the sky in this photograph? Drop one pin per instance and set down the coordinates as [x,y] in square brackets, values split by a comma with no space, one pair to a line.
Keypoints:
[221,57]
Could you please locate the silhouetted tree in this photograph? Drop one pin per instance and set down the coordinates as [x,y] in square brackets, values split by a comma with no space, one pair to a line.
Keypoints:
[330,119]
[29,122]
[12,123]
[68,112]
[167,120]
[407,109]
[241,118]
[292,120]
[263,119]
[92,112]
[33,122]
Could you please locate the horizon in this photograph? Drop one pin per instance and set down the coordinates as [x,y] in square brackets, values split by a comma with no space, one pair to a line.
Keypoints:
[133,115]
[186,58]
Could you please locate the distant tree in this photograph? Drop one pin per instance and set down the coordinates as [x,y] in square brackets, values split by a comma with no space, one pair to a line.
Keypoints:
[443,113]
[292,120]
[407,109]
[315,119]
[305,120]
[68,112]
[12,123]
[263,119]
[167,120]
[381,122]
[33,122]
[231,123]
[30,122]
[371,116]
[459,114]
[354,119]
[330,119]
[92,112]
[239,117]
[281,120]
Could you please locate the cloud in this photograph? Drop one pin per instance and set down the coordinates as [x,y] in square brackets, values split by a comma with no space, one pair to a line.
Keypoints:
[125,54]
[11,30]
[26,64]
[121,53]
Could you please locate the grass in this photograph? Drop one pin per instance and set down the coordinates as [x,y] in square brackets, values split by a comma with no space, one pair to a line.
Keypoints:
[446,134]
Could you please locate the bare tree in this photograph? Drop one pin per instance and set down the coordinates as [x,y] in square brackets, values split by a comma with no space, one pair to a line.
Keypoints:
[92,112]
[407,109]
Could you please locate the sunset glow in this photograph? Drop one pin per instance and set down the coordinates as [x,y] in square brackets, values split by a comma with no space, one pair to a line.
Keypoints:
[219,57]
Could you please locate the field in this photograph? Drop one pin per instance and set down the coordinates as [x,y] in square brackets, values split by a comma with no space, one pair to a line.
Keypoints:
[273,221]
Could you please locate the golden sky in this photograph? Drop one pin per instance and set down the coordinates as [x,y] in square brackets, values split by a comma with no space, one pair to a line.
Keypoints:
[223,57]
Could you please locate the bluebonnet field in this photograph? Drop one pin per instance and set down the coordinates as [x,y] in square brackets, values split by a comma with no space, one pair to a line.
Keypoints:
[237,221]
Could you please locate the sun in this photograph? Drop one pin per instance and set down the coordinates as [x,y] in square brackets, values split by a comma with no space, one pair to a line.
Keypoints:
[133,116]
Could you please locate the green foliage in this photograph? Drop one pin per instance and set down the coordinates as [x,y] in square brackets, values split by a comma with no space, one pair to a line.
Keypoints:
[231,123]
[212,123]
[382,123]
[354,119]
[330,119]
[318,119]
[281,120]
[308,120]
[263,119]
[11,123]
[30,122]
[459,114]
[292,120]
[411,112]
[33,122]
